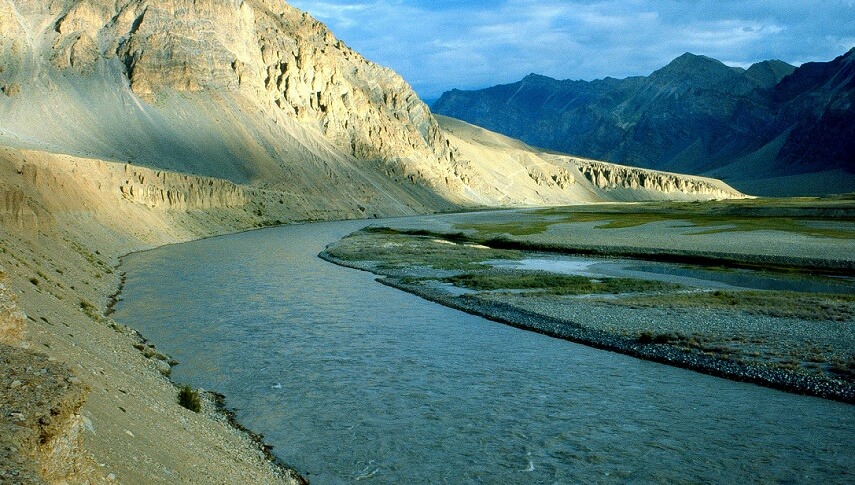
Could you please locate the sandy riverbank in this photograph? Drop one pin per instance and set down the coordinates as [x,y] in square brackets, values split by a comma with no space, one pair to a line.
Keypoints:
[111,409]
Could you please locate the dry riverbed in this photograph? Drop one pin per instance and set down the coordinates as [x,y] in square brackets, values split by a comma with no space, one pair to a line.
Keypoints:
[799,341]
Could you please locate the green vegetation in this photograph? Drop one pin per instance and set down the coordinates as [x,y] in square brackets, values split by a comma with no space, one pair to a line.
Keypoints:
[189,398]
[396,249]
[755,352]
[526,228]
[555,284]
[90,257]
[91,310]
[715,223]
[779,304]
[653,312]
[788,215]
[845,368]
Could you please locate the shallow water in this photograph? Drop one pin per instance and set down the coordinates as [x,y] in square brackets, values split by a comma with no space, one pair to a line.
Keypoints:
[684,274]
[353,381]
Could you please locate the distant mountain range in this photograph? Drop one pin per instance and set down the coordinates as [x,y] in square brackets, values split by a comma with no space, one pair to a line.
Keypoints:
[771,129]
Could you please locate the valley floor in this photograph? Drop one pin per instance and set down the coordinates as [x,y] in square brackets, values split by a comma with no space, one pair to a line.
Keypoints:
[106,405]
[789,338]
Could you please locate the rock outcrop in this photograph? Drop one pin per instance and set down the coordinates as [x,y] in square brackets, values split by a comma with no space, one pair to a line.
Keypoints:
[609,176]
[41,428]
[11,318]
[253,91]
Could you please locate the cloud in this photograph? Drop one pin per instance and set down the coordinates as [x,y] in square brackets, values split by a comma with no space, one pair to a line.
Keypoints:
[339,14]
[441,44]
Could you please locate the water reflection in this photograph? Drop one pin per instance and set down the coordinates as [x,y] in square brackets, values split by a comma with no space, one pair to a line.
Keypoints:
[696,276]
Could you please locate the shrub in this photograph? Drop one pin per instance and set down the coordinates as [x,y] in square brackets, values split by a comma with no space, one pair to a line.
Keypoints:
[189,398]
[90,310]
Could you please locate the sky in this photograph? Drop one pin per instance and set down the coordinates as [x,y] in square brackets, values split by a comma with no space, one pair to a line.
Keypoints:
[443,44]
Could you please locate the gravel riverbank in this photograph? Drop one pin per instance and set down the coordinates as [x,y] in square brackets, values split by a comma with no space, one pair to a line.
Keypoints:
[737,346]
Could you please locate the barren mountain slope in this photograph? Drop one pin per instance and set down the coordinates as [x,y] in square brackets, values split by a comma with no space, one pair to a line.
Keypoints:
[253,91]
[520,174]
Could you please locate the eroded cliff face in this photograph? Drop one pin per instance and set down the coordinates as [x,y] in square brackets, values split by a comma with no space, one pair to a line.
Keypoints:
[38,189]
[170,190]
[355,103]
[609,176]
[285,63]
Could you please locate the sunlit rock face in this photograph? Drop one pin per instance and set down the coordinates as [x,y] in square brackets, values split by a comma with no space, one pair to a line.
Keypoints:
[255,92]
[275,62]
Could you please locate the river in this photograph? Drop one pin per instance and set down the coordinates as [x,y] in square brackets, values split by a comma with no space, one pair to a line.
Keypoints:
[353,381]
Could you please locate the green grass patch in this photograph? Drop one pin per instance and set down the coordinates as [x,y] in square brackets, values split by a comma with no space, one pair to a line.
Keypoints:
[780,304]
[393,249]
[516,228]
[793,215]
[721,223]
[717,223]
[556,284]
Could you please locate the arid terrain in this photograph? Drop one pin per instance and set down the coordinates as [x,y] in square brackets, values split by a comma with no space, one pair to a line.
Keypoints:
[122,130]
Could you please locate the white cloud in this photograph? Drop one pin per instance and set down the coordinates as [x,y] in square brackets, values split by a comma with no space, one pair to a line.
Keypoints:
[340,14]
[440,44]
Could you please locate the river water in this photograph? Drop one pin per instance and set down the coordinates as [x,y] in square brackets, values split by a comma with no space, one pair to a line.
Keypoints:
[353,381]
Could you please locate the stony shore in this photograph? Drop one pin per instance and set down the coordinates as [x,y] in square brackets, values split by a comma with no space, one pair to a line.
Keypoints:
[800,343]
[656,352]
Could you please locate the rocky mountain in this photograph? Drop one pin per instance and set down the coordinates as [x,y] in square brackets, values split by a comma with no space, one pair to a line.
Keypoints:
[252,91]
[771,129]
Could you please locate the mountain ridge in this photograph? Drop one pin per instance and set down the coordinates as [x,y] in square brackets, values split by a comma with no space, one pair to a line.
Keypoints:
[772,121]
[268,96]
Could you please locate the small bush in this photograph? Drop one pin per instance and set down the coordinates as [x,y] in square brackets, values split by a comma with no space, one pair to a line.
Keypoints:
[189,398]
[90,310]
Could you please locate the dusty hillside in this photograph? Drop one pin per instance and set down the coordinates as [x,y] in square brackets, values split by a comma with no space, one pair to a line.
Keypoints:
[64,222]
[267,96]
[519,174]
[252,91]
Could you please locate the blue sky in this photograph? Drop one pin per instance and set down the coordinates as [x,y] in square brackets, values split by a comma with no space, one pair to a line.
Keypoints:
[444,44]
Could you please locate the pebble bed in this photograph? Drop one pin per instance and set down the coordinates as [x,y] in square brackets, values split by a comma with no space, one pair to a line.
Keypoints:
[613,330]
